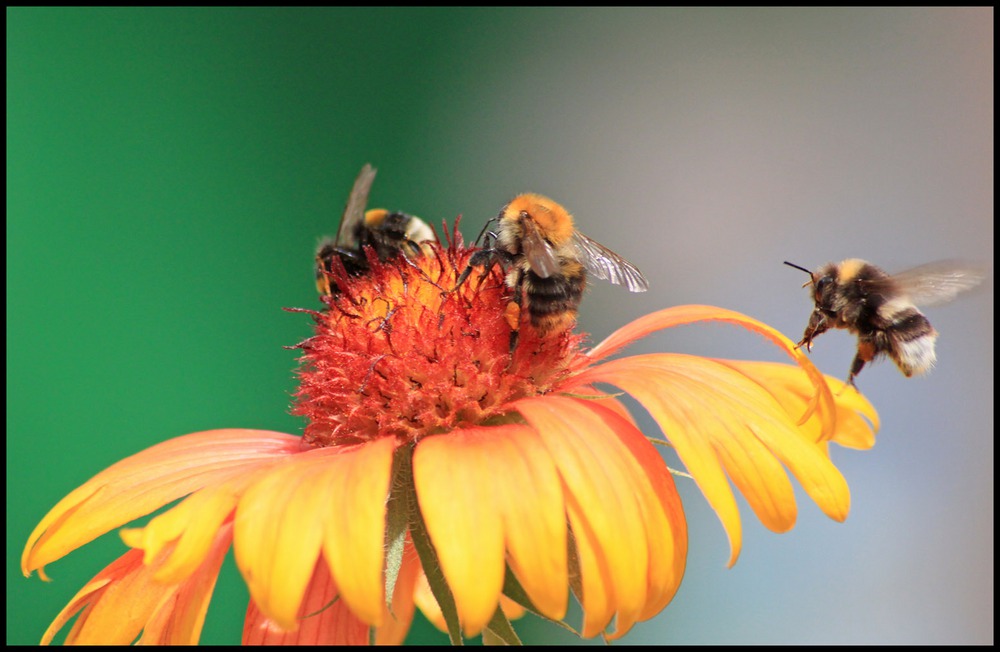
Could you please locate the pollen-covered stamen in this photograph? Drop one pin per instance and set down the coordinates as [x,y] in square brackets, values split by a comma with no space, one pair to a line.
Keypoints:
[398,353]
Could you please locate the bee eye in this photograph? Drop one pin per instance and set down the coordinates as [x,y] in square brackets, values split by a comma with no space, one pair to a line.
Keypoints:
[823,287]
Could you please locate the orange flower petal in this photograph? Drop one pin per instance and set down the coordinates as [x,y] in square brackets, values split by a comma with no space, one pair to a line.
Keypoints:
[146,481]
[607,400]
[609,501]
[717,418]
[187,530]
[453,477]
[856,419]
[530,500]
[124,572]
[424,598]
[681,315]
[278,533]
[666,528]
[354,538]
[284,518]
[179,621]
[322,618]
[484,490]
[124,599]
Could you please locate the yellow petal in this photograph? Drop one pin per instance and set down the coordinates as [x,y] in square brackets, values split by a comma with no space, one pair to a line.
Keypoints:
[607,495]
[681,315]
[323,619]
[595,582]
[483,491]
[856,418]
[129,622]
[285,517]
[717,418]
[146,481]
[609,401]
[124,599]
[189,529]
[278,532]
[179,620]
[354,540]
[666,527]
[530,501]
[454,475]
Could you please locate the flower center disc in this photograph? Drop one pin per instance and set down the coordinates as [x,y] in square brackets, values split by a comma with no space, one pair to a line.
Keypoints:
[399,352]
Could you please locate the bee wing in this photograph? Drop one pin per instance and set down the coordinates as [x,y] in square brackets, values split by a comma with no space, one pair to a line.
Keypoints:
[938,282]
[354,210]
[537,250]
[606,264]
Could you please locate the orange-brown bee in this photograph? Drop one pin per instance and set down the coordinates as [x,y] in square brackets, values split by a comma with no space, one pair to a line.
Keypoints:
[388,233]
[881,309]
[546,261]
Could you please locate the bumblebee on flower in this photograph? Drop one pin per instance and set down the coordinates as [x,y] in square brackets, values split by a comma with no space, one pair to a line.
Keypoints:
[441,469]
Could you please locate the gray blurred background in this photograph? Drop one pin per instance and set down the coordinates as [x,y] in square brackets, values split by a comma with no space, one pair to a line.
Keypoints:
[169,172]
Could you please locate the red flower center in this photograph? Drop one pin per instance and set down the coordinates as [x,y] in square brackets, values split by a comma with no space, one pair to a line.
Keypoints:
[399,353]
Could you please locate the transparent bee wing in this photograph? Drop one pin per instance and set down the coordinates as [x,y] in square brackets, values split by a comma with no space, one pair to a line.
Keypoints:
[606,264]
[537,251]
[354,210]
[938,282]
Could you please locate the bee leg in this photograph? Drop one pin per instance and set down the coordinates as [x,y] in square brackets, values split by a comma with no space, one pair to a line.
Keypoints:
[866,353]
[513,315]
[818,324]
[486,258]
[807,340]
[513,343]
[856,367]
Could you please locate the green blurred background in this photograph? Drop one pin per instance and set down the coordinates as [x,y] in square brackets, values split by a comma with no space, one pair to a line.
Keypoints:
[169,173]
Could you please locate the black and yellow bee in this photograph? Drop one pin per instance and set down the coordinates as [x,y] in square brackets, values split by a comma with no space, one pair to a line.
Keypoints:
[547,261]
[388,233]
[881,309]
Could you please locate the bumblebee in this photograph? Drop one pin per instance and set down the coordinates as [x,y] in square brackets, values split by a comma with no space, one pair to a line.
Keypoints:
[546,262]
[881,309]
[387,233]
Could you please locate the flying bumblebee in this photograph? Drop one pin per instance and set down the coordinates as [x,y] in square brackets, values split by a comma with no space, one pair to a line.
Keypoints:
[546,260]
[387,233]
[881,309]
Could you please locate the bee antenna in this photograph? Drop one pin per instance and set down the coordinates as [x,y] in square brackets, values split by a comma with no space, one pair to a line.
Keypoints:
[799,267]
